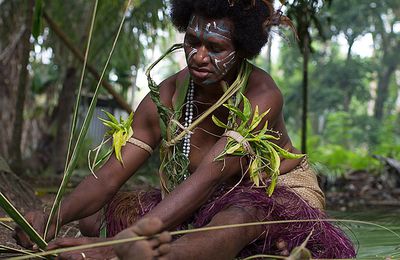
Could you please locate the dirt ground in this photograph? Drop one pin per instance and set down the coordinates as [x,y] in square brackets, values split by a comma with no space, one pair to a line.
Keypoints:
[42,200]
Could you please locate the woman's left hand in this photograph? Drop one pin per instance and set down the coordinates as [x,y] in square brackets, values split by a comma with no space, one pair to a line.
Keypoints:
[92,253]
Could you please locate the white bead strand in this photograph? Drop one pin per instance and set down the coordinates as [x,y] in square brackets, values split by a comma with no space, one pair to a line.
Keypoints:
[188,118]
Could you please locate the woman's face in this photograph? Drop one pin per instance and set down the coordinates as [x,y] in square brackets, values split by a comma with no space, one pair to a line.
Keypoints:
[210,53]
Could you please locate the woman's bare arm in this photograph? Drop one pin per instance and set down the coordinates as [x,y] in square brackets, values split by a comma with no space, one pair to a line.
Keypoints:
[92,194]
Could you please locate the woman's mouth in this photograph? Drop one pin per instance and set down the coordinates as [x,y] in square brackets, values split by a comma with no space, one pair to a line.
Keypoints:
[199,73]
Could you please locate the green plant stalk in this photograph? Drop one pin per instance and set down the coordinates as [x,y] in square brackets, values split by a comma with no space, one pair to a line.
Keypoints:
[75,115]
[72,163]
[21,221]
[37,19]
[165,113]
[195,230]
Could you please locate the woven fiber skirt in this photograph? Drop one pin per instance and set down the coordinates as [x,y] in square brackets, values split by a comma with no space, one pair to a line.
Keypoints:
[297,196]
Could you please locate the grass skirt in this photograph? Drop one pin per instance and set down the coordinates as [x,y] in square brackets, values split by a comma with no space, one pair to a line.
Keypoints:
[326,241]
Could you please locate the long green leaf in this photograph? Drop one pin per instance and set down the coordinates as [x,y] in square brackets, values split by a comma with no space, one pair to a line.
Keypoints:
[21,221]
[284,153]
[85,126]
[237,112]
[218,122]
[111,116]
[246,107]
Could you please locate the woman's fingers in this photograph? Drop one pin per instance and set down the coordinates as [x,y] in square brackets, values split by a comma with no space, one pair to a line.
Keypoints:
[147,227]
[70,241]
[22,238]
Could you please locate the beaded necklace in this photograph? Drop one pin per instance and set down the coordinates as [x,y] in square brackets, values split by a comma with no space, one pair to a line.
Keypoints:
[188,119]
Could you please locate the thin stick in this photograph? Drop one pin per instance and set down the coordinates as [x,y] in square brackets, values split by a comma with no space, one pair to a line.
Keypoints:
[265,256]
[25,252]
[6,226]
[195,230]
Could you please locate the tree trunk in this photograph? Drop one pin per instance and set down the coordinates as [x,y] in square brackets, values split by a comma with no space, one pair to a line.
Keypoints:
[382,91]
[63,120]
[345,80]
[15,146]
[305,95]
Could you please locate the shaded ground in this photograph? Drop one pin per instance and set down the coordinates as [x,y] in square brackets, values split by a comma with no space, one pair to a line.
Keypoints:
[39,200]
[42,192]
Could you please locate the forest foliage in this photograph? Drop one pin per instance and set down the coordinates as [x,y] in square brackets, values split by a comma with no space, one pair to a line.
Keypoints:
[353,100]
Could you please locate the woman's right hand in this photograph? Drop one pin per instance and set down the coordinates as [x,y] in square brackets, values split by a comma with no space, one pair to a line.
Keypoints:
[38,220]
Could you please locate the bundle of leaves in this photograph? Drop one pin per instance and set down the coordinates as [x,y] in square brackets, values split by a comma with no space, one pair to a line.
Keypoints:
[244,140]
[120,131]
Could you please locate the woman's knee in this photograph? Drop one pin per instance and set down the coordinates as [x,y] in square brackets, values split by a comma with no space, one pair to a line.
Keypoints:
[90,226]
[240,215]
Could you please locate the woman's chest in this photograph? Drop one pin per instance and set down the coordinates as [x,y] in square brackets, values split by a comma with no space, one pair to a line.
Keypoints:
[202,141]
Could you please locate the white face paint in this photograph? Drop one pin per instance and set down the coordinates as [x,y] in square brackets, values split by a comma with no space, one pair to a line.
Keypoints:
[209,49]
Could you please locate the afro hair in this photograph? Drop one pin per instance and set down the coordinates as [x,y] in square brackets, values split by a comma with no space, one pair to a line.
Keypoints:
[248,17]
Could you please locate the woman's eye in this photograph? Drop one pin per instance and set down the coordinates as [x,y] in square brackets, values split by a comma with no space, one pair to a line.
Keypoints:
[215,48]
[192,41]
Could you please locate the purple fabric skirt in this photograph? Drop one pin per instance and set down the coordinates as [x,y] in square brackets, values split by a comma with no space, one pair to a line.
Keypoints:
[326,241]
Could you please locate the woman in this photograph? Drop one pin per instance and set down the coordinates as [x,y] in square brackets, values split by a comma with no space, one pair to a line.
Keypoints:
[219,37]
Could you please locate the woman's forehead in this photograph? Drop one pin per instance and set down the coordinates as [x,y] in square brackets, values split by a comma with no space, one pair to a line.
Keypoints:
[222,26]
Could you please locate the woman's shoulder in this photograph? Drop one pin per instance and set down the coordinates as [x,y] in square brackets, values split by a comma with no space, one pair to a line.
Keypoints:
[261,86]
[170,87]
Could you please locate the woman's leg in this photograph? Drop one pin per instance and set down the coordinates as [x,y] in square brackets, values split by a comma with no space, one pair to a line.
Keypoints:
[219,244]
[216,244]
[90,226]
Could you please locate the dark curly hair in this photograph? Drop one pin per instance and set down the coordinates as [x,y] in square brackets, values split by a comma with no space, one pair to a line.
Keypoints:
[248,17]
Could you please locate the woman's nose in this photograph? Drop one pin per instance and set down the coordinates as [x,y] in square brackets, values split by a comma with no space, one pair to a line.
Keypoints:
[202,56]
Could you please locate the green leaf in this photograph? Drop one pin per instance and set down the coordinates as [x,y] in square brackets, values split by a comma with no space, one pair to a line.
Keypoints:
[118,142]
[37,19]
[232,149]
[246,107]
[256,120]
[275,160]
[128,122]
[111,116]
[218,122]
[265,128]
[255,171]
[284,153]
[110,124]
[236,111]
[21,221]
[265,137]
[272,186]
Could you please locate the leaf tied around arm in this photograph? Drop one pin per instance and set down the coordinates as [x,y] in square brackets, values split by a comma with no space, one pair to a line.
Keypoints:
[243,140]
